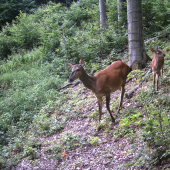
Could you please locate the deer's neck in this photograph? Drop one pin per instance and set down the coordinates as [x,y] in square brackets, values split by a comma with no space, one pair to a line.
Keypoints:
[88,81]
[157,60]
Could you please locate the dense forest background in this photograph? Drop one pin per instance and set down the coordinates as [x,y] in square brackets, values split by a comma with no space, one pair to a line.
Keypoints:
[11,8]
[36,39]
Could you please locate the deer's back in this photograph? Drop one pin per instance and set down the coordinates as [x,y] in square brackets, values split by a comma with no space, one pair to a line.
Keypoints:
[112,78]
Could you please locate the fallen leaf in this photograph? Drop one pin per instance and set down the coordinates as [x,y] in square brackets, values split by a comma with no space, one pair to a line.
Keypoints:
[64,154]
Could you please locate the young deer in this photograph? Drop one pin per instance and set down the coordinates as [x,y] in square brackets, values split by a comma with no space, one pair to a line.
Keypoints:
[104,82]
[157,65]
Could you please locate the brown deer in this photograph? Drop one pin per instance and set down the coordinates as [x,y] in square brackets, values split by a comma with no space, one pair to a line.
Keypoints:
[111,79]
[157,65]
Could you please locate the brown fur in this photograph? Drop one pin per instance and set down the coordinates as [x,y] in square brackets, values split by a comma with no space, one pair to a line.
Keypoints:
[111,79]
[157,65]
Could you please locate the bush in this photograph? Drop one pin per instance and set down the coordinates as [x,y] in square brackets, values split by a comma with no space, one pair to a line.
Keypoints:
[25,32]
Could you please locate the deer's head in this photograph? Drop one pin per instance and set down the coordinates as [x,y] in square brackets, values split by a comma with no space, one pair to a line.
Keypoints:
[76,70]
[157,52]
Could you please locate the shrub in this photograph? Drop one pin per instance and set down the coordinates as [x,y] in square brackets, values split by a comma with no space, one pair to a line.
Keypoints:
[25,32]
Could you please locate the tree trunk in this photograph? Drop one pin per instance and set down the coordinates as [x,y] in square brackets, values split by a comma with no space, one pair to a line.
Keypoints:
[137,54]
[121,8]
[103,17]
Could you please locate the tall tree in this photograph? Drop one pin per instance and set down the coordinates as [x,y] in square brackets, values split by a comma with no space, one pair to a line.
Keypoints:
[137,53]
[121,9]
[103,16]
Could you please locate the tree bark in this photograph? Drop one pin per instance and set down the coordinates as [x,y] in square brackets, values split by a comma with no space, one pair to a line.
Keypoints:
[137,54]
[121,8]
[103,16]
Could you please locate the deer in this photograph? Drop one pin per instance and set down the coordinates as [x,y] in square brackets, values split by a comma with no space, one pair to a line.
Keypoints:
[103,83]
[157,65]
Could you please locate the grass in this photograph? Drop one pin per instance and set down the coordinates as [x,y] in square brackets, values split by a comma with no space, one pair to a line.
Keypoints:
[26,86]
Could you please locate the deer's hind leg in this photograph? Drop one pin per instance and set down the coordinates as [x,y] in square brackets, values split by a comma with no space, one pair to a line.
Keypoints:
[100,107]
[108,106]
[122,95]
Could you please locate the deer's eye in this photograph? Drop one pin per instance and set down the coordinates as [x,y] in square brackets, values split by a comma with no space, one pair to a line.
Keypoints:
[77,69]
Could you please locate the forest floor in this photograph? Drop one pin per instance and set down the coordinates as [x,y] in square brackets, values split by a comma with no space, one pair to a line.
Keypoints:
[86,148]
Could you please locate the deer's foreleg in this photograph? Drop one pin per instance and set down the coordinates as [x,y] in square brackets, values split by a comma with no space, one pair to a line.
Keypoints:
[157,81]
[154,75]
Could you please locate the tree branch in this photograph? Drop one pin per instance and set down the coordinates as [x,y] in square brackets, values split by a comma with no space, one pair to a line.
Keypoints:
[130,93]
[69,84]
[127,81]
[161,34]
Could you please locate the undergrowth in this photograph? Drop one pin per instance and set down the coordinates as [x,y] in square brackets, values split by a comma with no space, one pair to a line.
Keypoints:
[149,121]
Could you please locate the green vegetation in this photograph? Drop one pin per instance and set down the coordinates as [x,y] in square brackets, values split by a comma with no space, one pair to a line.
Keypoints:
[33,51]
[10,9]
[93,140]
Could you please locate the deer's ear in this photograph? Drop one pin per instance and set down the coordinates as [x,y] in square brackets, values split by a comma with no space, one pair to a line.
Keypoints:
[70,64]
[152,49]
[81,62]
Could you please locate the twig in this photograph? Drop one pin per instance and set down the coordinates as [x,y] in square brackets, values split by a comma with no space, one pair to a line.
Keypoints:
[69,84]
[76,83]
[129,80]
[158,36]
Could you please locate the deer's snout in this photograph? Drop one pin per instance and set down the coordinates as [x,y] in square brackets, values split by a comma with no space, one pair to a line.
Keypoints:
[70,79]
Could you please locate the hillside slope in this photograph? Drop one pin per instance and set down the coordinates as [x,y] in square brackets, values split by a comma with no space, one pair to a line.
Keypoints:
[125,145]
